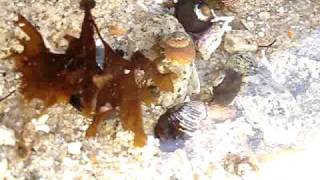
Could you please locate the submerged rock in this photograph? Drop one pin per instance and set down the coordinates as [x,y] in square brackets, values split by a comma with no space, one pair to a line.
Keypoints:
[283,98]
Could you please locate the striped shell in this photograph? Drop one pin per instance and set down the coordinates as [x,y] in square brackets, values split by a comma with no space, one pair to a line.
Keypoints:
[178,123]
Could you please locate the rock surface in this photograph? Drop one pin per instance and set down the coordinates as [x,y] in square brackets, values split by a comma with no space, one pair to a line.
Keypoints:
[277,108]
[239,41]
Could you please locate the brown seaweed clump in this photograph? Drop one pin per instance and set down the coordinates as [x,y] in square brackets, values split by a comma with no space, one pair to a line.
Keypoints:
[75,76]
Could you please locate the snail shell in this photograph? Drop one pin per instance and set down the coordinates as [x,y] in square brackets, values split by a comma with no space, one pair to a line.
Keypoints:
[178,124]
[195,16]
[179,48]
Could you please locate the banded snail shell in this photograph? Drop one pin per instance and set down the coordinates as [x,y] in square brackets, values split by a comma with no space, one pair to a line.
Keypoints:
[178,123]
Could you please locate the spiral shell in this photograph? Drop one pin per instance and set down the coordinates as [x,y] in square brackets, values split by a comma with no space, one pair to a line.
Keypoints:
[178,123]
[195,16]
[179,48]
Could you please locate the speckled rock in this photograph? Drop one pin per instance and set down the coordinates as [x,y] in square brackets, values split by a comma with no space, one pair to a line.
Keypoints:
[239,41]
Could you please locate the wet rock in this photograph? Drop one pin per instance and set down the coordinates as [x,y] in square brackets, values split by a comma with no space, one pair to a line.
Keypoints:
[282,99]
[7,136]
[239,41]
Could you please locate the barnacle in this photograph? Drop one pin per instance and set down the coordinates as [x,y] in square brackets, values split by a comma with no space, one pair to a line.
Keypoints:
[75,76]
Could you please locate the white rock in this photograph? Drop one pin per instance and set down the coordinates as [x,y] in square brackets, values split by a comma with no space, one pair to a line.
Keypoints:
[43,119]
[239,41]
[261,34]
[68,162]
[74,148]
[3,168]
[40,124]
[7,136]
[69,175]
[43,127]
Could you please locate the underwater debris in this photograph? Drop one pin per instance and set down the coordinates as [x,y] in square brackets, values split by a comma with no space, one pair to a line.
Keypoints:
[178,123]
[239,164]
[7,96]
[75,76]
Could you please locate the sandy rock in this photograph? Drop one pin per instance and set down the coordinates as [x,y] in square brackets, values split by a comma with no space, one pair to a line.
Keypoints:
[239,41]
[7,136]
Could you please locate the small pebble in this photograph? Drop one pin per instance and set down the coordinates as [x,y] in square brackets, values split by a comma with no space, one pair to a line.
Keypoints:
[281,10]
[74,148]
[40,124]
[261,34]
[43,119]
[43,127]
[7,136]
[250,24]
